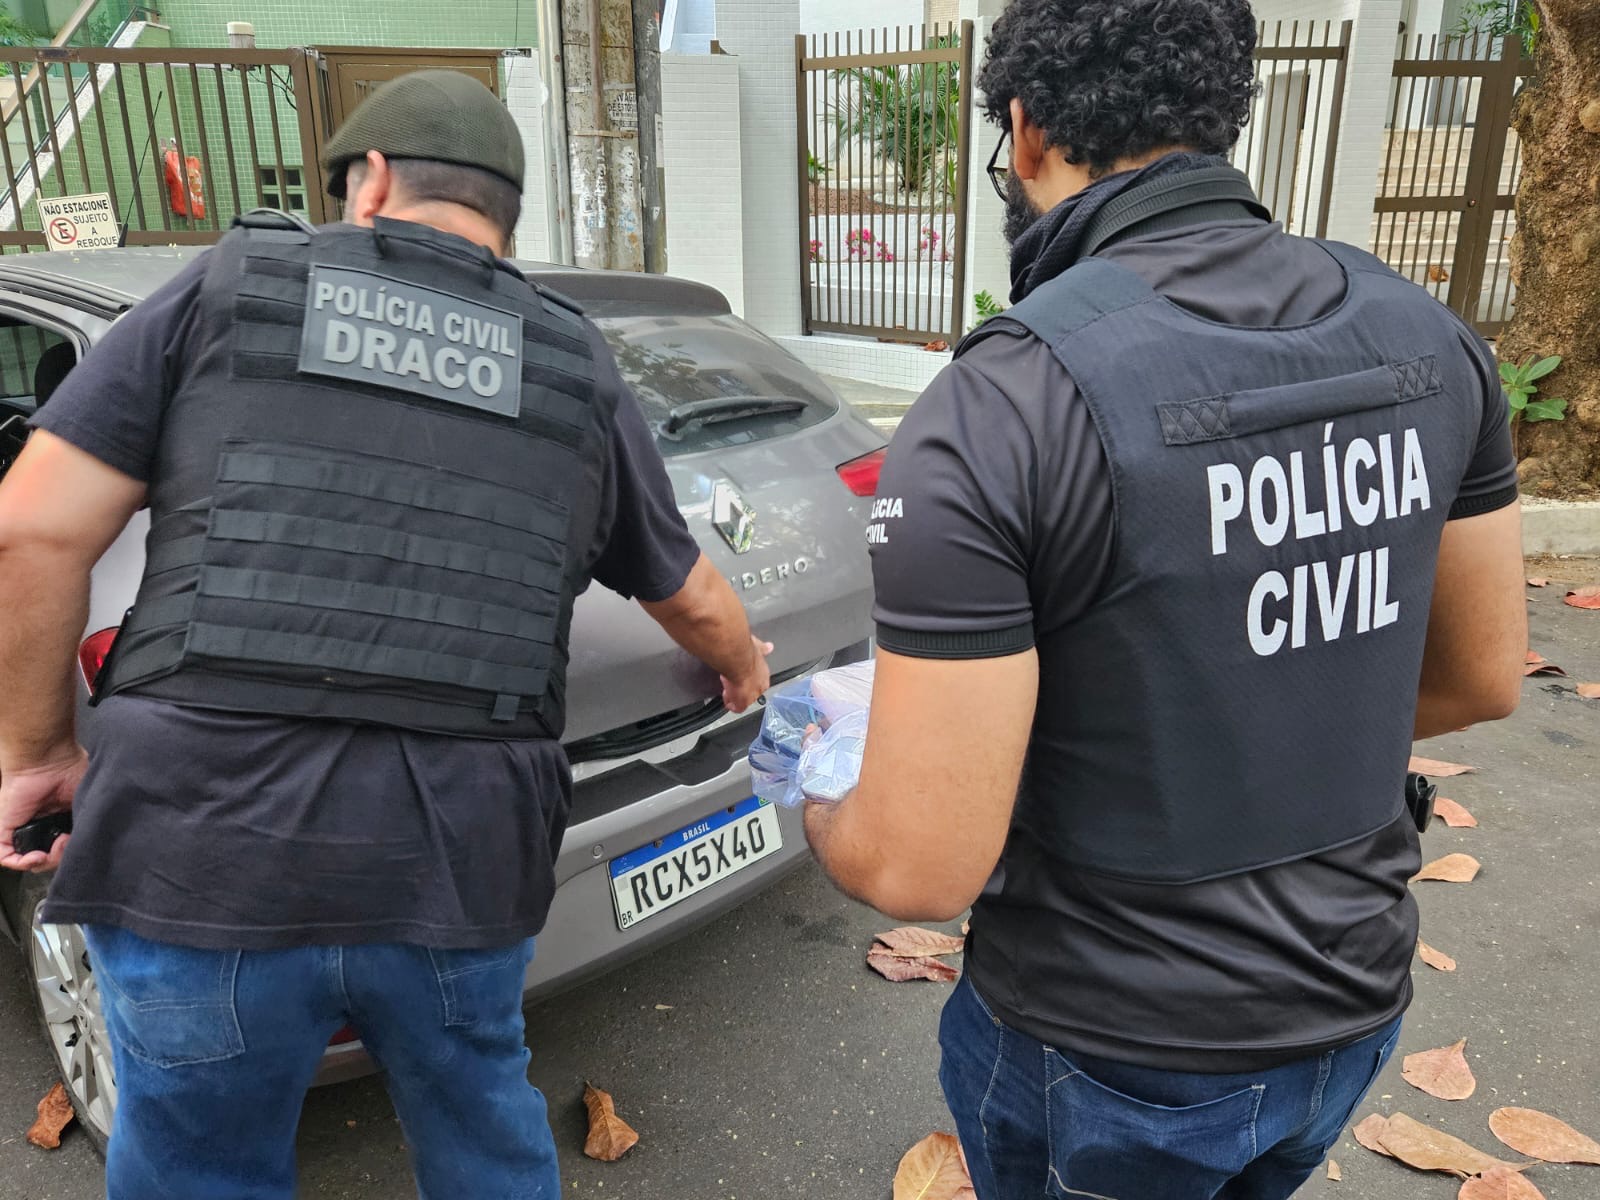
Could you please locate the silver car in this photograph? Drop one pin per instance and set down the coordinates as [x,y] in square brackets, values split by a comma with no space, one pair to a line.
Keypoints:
[774,475]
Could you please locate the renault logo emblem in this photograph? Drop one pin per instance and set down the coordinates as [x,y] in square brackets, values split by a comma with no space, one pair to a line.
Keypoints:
[735,520]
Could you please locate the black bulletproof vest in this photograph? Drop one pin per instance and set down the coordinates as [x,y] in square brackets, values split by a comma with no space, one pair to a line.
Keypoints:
[377,482]
[1242,691]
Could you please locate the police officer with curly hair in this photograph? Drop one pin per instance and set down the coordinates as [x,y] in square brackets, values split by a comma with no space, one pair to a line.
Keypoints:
[1176,560]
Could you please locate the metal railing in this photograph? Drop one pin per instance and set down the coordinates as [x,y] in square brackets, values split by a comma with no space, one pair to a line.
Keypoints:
[883,118]
[94,23]
[248,119]
[1288,146]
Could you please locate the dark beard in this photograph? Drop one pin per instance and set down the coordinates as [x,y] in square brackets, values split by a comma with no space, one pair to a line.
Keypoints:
[1020,212]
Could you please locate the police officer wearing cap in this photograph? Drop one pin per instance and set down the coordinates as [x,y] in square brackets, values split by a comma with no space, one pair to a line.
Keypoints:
[327,786]
[1175,561]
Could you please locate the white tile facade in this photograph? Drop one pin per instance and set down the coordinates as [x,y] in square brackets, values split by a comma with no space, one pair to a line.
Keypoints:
[524,91]
[705,177]
[910,368]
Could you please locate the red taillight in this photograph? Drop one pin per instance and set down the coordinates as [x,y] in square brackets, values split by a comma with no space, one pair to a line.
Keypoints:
[860,475]
[92,654]
[345,1036]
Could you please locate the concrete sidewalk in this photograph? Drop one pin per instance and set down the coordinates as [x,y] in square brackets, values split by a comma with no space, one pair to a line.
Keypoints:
[883,406]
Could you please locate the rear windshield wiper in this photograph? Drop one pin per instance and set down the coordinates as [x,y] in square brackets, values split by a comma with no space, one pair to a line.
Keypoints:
[696,413]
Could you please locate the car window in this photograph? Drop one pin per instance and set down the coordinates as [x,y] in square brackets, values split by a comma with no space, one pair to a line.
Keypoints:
[32,359]
[672,361]
[33,362]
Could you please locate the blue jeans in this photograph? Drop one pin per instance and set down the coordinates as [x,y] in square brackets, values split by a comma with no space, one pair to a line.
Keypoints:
[214,1051]
[1036,1122]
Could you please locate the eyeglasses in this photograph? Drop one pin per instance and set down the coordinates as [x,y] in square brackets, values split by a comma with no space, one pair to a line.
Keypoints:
[1000,175]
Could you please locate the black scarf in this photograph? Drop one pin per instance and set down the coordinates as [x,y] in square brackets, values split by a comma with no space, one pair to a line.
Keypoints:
[1054,242]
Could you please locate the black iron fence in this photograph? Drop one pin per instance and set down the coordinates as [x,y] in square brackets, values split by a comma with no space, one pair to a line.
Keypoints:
[883,121]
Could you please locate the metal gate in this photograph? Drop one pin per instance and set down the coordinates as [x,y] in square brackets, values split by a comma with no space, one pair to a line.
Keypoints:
[1288,145]
[243,128]
[1447,190]
[884,122]
[239,127]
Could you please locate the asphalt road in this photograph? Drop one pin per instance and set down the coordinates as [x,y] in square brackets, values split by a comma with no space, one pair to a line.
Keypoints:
[783,1068]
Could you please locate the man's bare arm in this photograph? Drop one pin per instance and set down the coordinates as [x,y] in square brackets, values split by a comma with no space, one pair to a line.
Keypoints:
[60,508]
[706,619]
[921,835]
[1477,627]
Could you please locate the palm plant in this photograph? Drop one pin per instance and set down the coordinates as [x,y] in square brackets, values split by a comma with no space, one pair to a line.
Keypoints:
[909,115]
[1501,18]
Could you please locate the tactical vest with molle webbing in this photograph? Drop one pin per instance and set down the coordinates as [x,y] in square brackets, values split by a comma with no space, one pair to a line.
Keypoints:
[377,482]
[1241,692]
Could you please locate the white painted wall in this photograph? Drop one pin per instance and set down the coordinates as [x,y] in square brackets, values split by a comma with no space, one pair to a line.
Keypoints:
[832,16]
[525,97]
[988,256]
[700,115]
[760,35]
[689,26]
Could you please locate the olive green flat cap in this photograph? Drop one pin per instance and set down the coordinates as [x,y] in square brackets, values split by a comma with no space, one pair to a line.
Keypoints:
[445,116]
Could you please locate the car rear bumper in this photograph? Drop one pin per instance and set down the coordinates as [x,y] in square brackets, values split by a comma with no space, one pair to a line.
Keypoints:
[582,938]
[702,775]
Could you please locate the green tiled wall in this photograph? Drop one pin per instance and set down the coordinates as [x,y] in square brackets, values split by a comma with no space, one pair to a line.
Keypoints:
[494,24]
[487,24]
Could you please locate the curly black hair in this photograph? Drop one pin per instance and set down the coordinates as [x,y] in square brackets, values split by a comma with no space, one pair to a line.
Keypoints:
[1114,79]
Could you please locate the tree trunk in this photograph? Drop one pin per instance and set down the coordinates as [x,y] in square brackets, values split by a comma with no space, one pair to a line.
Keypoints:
[1555,256]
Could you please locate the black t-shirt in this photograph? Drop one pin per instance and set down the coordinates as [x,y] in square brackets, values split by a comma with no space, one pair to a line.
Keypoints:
[229,830]
[1003,532]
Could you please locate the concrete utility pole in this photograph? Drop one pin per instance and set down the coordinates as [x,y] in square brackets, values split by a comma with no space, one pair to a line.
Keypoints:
[647,72]
[603,134]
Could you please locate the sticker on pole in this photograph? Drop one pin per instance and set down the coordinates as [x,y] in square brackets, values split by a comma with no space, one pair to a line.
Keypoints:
[86,222]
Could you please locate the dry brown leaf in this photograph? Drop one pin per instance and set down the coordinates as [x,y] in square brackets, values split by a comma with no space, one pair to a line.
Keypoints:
[1437,959]
[1589,691]
[1539,1135]
[1538,581]
[610,1137]
[55,1114]
[1453,815]
[1443,1073]
[1429,1149]
[932,1170]
[912,942]
[1584,598]
[1542,668]
[1452,868]
[937,347]
[969,1192]
[1534,657]
[1433,768]
[1499,1183]
[897,970]
[1369,1133]
[1437,274]
[1334,1173]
